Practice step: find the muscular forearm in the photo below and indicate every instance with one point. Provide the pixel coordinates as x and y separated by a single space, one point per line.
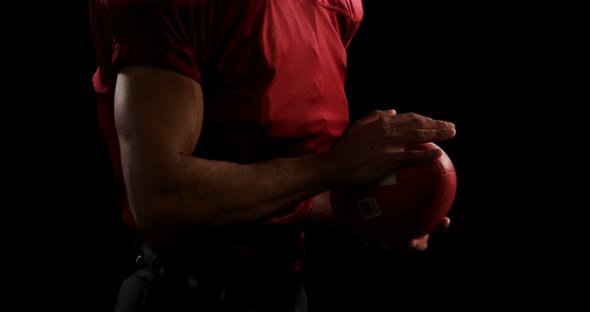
205 192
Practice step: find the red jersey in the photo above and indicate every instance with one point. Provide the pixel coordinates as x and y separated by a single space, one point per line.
273 75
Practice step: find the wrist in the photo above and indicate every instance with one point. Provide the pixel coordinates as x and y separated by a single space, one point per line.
330 168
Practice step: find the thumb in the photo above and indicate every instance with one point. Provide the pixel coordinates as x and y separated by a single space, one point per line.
443 225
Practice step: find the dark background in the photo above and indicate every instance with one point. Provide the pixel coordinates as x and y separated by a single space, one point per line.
512 76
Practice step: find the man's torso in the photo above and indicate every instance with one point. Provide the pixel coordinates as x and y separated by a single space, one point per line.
272 72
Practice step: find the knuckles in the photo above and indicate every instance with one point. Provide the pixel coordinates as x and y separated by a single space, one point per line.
396 125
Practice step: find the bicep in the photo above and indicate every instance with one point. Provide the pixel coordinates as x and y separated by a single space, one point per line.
158 116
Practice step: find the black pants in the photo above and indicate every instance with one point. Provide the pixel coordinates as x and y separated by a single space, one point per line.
157 288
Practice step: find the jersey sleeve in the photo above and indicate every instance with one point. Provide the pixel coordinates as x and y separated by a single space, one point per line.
160 33
355 15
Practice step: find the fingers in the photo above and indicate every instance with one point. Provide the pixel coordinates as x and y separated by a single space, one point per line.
417 244
420 244
422 136
416 121
378 114
443 225
410 129
388 113
414 157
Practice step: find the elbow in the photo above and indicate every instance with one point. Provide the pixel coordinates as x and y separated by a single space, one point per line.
155 212
153 199
153 209
147 217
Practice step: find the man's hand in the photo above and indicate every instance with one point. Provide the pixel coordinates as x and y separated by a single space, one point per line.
417 244
322 212
376 144
421 244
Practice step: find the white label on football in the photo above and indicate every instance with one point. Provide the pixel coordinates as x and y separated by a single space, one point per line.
368 208
390 179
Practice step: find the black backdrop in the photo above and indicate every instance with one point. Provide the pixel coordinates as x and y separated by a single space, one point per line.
513 77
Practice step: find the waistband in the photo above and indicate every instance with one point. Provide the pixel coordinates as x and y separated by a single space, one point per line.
178 268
